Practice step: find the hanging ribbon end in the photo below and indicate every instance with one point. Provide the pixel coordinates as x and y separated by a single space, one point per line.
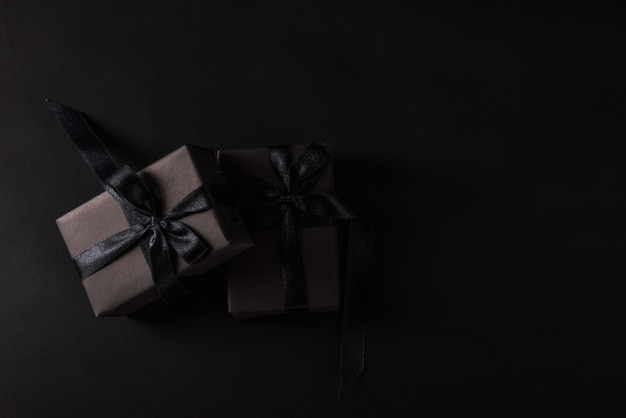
58 108
53 104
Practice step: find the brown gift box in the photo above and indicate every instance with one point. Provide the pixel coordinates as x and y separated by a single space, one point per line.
125 284
254 281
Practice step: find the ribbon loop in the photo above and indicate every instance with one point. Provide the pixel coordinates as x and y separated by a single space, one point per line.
184 241
200 200
280 159
308 167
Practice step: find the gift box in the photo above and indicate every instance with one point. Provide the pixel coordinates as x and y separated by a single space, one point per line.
285 194
257 278
129 280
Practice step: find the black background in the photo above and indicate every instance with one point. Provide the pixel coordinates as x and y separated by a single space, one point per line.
485 143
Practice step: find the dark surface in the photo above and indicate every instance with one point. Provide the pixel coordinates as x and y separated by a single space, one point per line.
486 144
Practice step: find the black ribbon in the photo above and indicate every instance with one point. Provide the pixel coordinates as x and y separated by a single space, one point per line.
266 204
155 233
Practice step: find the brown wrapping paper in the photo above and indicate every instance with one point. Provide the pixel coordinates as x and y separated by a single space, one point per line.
254 282
125 284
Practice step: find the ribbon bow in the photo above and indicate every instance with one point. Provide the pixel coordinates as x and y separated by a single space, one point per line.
292 201
155 233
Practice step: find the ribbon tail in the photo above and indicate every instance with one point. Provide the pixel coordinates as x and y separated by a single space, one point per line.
359 251
295 289
163 273
121 182
184 241
354 318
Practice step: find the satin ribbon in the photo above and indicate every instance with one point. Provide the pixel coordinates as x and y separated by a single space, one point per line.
155 233
266 204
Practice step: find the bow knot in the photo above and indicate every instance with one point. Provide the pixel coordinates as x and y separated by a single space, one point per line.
284 200
154 222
